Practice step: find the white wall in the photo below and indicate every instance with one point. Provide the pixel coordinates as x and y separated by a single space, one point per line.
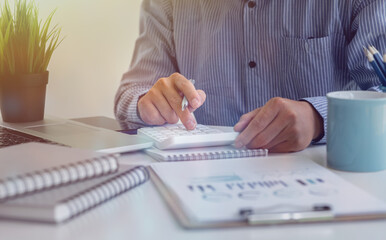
86 68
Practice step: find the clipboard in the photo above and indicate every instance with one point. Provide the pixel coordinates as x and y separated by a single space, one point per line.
323 196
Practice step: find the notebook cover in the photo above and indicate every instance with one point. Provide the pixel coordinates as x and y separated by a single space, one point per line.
53 205
35 166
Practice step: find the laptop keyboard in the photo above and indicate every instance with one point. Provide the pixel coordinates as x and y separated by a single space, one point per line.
9 137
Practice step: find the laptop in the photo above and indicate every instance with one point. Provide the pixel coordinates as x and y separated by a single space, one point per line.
71 133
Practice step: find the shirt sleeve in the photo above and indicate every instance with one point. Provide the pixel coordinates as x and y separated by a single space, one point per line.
153 58
368 27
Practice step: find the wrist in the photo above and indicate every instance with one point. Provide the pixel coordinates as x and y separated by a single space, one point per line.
318 126
316 121
138 112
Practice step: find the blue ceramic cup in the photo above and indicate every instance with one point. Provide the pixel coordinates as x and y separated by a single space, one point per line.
356 131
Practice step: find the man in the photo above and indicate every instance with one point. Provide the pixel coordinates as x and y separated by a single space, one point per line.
263 66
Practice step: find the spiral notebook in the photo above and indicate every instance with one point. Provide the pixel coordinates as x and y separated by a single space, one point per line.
30 167
65 202
207 153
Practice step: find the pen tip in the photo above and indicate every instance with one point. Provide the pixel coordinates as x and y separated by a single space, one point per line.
373 50
368 55
366 51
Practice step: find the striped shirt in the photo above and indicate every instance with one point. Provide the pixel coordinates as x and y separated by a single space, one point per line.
243 53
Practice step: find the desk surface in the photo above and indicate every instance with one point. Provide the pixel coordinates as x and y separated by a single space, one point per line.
142 214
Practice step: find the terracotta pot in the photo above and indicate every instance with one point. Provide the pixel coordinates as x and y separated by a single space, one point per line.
23 97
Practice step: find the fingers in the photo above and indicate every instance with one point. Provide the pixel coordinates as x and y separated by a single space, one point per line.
202 97
285 143
189 91
271 135
173 100
166 111
276 142
245 120
195 97
258 123
290 139
282 125
173 89
166 97
149 113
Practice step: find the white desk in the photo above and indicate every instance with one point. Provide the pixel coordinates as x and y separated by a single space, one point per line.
142 214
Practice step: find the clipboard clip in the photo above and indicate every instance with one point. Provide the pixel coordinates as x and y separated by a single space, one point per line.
318 212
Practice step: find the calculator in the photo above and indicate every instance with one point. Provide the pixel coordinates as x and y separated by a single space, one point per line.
174 136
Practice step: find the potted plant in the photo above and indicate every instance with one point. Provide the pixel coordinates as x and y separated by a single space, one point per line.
26 47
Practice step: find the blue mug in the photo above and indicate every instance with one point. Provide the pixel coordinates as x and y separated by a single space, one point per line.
356 131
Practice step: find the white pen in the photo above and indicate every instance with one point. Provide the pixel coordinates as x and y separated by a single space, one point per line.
185 103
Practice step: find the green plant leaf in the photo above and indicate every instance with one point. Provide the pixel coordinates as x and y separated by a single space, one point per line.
26 43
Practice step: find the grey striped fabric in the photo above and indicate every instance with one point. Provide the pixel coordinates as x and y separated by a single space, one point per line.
243 53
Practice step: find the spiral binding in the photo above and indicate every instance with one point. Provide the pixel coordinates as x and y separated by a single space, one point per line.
105 191
48 178
238 153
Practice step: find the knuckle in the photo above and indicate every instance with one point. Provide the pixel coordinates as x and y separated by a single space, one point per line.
291 116
175 75
183 84
177 78
162 82
151 93
256 123
278 102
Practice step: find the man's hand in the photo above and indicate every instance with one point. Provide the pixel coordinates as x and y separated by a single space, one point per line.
281 125
162 104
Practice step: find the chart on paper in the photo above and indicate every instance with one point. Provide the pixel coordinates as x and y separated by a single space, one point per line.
217 190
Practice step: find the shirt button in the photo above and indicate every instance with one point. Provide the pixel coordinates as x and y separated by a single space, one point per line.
251 4
252 64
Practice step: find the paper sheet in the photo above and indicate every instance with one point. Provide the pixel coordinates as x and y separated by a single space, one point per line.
216 191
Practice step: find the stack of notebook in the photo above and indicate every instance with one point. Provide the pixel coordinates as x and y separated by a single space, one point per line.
50 183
